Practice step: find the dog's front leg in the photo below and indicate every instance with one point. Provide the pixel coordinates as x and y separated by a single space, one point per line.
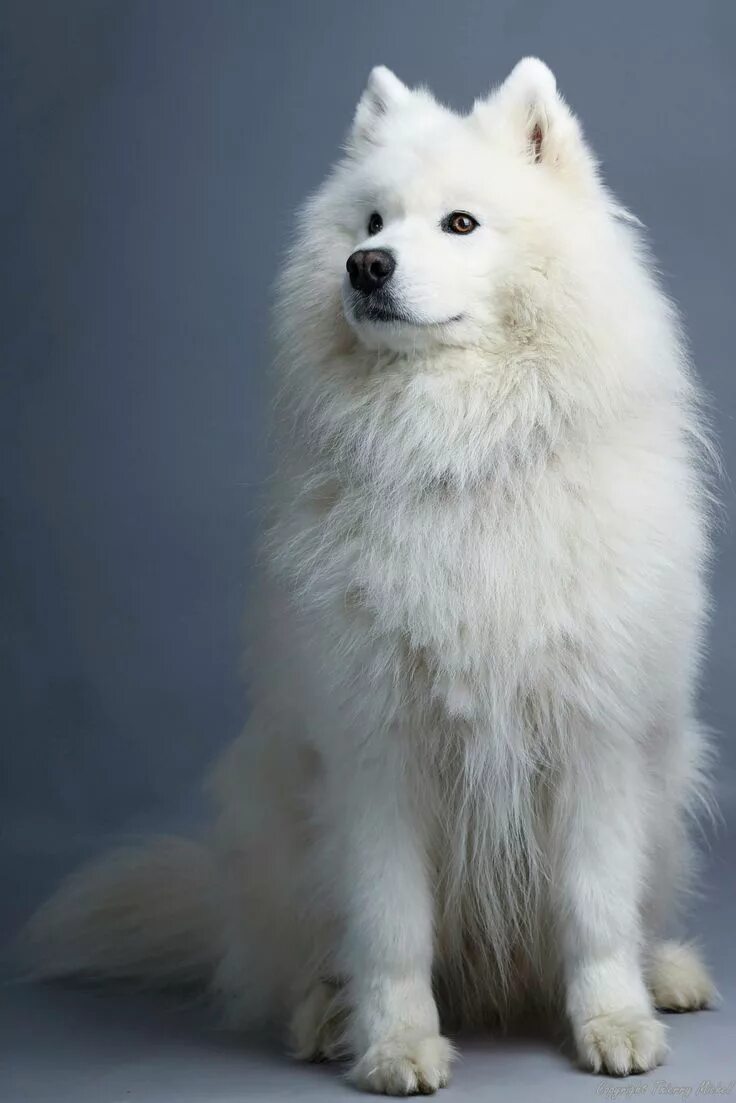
386 904
599 863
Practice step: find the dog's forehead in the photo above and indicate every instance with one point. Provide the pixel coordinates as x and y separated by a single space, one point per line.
447 157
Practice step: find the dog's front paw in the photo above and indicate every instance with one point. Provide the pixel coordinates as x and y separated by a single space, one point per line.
622 1042
406 1064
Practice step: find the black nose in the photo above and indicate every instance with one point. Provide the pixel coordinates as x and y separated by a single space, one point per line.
369 269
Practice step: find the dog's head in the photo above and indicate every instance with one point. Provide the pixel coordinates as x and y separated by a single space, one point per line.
432 217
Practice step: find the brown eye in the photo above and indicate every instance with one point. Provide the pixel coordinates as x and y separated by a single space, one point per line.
375 224
459 223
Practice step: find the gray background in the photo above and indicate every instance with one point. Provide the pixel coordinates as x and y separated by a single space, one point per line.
152 154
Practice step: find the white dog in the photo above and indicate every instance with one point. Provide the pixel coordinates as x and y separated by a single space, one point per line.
472 755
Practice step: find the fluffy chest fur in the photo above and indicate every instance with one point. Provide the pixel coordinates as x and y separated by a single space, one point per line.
518 586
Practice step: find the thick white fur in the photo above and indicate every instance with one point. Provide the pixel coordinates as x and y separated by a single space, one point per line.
473 748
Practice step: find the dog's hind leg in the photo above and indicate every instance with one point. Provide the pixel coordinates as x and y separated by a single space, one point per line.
678 978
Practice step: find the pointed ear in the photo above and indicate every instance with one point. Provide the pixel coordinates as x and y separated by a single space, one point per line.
537 119
383 92
529 96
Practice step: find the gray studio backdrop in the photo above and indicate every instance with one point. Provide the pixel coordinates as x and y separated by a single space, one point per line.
152 154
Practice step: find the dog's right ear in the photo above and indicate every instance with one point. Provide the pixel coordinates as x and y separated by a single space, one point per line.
383 92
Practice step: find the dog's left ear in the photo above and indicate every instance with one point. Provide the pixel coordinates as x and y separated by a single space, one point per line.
538 122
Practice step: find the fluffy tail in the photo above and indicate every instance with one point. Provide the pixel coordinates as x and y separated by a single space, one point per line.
145 914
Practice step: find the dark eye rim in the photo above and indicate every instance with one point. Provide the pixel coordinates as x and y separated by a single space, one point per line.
447 223
371 230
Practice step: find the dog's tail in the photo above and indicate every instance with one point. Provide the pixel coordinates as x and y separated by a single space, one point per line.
145 914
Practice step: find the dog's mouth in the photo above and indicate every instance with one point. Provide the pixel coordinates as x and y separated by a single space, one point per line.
382 314
385 313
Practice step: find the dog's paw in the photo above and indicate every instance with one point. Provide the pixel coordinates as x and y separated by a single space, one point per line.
406 1064
678 979
622 1042
318 1024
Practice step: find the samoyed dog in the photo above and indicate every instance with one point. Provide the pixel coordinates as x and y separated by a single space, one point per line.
465 787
